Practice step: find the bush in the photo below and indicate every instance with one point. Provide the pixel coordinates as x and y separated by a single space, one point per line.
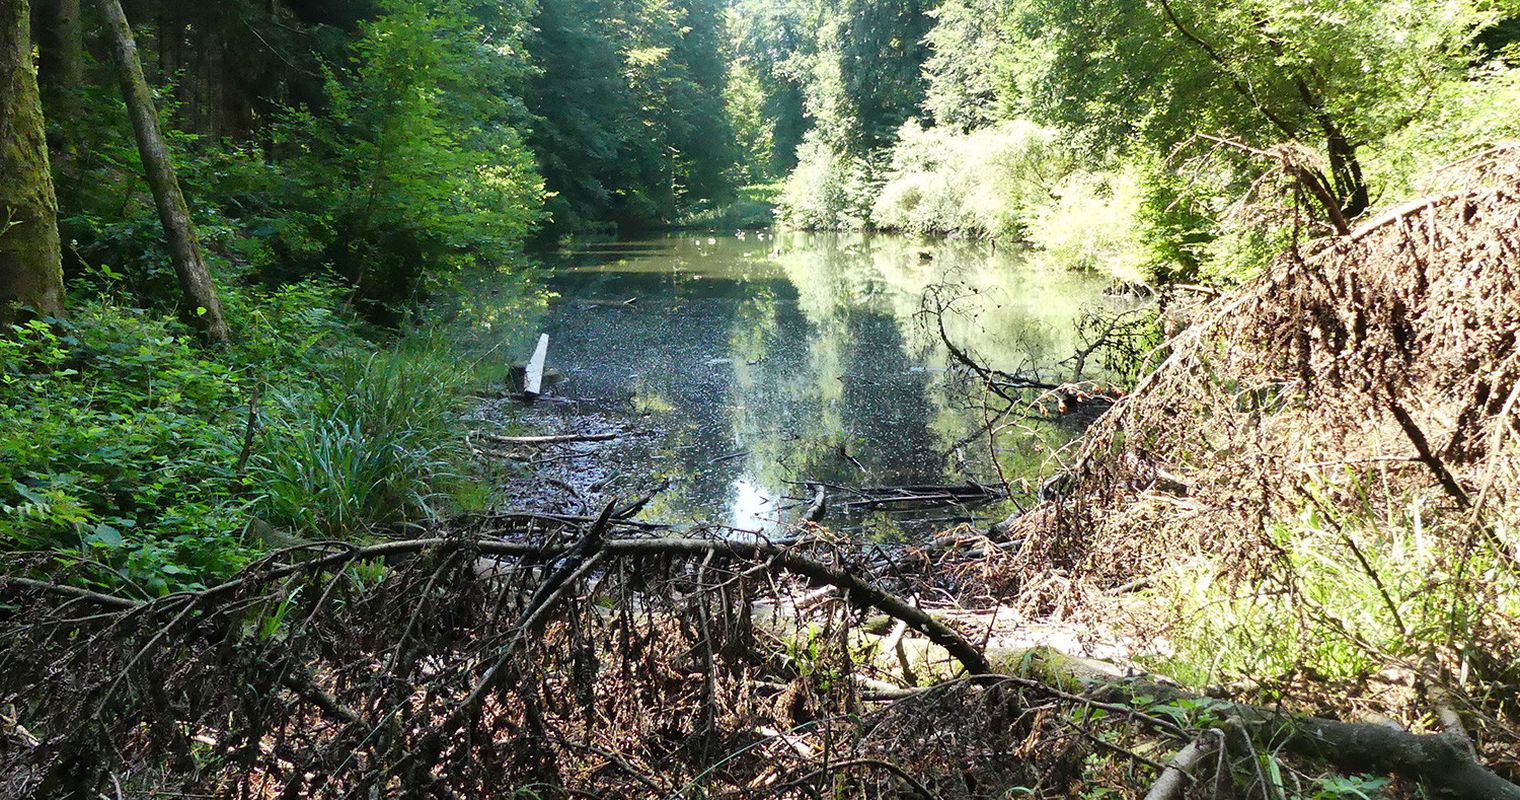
1468 116
754 206
988 183
828 190
412 172
118 448
122 442
1092 224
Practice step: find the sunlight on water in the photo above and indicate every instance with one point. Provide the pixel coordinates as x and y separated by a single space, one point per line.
772 360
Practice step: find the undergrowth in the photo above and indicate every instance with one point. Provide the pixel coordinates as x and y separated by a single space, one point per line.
1352 593
140 459
752 207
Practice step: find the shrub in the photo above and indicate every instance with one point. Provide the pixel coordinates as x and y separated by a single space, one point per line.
1091 224
1467 117
828 190
122 443
411 172
988 183
118 448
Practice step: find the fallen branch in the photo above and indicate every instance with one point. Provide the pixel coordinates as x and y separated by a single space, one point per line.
1178 775
1441 762
568 438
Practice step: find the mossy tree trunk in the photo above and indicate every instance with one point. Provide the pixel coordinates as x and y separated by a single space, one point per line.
31 262
184 244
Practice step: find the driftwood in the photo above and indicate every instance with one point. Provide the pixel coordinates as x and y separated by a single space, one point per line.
1178 775
567 438
533 375
1442 762
922 495
631 302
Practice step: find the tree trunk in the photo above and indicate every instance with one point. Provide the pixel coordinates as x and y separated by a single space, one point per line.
60 47
1346 170
31 261
184 245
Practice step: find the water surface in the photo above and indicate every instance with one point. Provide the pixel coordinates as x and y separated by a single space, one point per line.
768 360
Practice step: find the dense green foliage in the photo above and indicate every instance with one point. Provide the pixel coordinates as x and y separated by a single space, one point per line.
124 442
415 161
629 110
1367 95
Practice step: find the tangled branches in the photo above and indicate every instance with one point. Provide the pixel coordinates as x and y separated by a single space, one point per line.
1344 427
633 667
470 666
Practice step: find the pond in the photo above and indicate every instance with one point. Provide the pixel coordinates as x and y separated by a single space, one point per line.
764 361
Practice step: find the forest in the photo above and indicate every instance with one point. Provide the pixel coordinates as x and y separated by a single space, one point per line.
937 399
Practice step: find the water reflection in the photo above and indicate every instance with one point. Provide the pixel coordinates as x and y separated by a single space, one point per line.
777 359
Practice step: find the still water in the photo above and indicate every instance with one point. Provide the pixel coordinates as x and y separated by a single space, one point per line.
770 359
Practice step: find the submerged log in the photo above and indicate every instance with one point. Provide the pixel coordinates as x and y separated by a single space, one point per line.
567 438
816 509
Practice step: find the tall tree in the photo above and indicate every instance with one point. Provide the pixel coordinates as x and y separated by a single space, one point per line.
1335 73
60 46
630 125
31 264
881 53
184 244
968 45
776 42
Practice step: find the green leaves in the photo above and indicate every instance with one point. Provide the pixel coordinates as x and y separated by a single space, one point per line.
416 168
115 448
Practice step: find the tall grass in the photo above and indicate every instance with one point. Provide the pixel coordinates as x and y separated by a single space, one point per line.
371 451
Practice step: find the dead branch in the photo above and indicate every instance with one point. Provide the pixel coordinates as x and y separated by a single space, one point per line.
538 441
1178 775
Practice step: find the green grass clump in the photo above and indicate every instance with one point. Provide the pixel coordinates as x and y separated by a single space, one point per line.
369 451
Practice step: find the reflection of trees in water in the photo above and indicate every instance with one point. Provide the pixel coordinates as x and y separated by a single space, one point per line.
818 342
786 400
1007 312
1010 311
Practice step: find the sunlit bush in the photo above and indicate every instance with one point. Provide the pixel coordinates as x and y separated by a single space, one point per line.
828 190
1466 117
988 183
1091 224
